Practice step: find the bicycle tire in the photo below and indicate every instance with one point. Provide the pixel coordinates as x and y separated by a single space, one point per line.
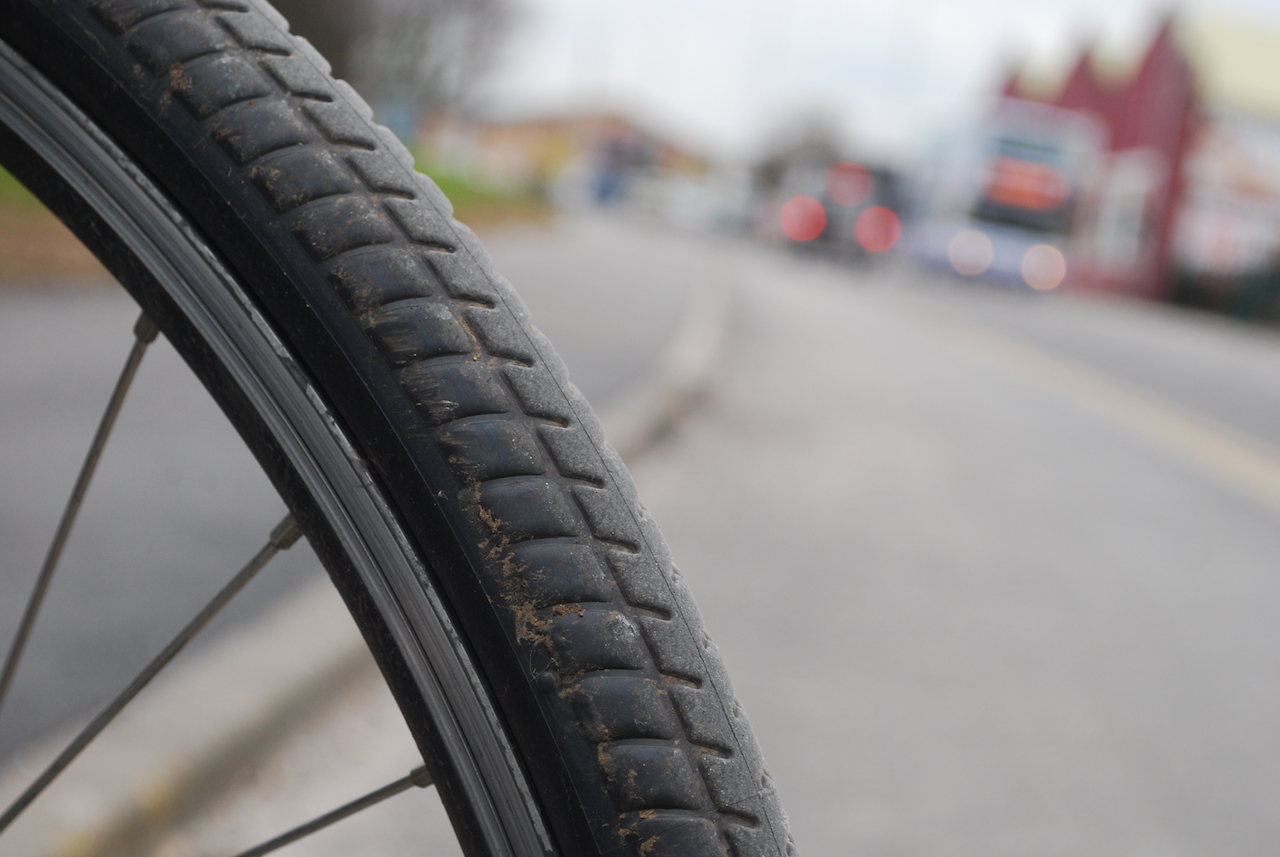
524 610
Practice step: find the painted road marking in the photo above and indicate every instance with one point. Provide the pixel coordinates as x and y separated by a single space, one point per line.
1234 458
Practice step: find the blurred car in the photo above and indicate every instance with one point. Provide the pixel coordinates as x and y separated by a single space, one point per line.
842 208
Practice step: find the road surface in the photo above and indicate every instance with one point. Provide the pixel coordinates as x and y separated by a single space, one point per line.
978 597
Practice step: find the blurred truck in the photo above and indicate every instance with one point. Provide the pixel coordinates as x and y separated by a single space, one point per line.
1004 200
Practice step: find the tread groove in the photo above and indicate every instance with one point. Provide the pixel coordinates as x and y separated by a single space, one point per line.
683 680
740 818
98 12
712 750
619 546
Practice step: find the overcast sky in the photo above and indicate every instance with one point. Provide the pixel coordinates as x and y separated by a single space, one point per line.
723 74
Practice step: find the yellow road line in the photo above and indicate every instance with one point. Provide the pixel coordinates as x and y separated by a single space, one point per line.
1236 459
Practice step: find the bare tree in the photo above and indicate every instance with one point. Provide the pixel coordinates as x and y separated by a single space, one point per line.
810 138
430 53
427 54
330 25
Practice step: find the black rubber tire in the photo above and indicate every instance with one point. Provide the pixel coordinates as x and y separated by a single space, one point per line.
523 519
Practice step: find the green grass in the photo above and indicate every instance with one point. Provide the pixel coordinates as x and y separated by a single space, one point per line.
476 202
14 195
471 200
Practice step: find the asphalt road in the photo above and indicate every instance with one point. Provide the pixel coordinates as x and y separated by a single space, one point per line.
982 571
995 574
1214 365
178 504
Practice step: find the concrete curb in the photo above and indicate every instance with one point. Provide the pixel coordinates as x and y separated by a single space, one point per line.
194 734
684 376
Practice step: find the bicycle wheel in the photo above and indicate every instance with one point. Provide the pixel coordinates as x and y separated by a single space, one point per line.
520 604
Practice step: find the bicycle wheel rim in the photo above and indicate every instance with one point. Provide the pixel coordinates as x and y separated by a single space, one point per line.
177 277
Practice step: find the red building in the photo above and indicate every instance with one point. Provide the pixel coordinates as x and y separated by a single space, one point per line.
1122 240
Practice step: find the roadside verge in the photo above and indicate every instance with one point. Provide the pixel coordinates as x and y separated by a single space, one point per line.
196 733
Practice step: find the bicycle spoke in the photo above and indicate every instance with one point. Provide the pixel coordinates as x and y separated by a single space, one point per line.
419 777
144 333
282 537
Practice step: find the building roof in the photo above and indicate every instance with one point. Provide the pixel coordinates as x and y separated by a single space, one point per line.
1235 62
1149 107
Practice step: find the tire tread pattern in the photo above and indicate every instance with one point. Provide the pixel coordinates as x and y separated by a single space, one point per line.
600 613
